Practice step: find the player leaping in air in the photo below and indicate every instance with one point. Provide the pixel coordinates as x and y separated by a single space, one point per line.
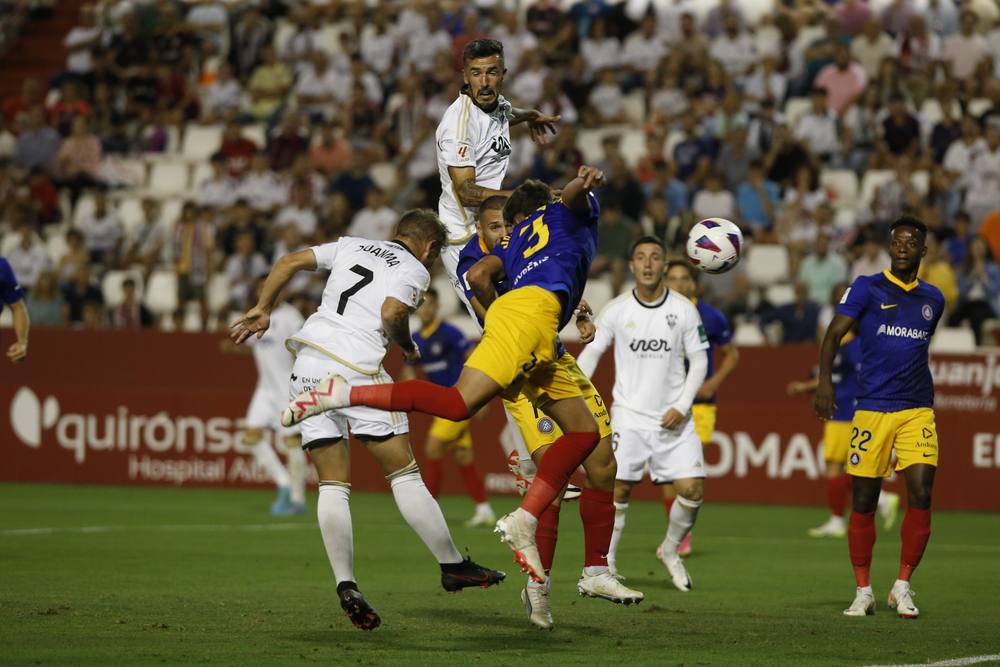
546 258
373 288
896 315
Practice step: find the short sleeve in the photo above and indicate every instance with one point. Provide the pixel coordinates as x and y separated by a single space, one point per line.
455 146
855 299
719 332
325 255
10 290
409 285
695 338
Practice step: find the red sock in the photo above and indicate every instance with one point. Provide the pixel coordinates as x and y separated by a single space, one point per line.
413 395
597 509
916 530
861 541
837 490
474 482
546 534
562 458
431 473
668 503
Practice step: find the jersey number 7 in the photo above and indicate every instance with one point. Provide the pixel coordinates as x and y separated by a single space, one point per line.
366 277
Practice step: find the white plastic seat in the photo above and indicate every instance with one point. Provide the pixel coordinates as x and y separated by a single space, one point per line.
384 175
635 106
130 213
844 182
111 286
201 141
217 293
921 181
748 334
633 146
161 292
84 208
169 178
979 106
674 138
871 182
589 143
953 340
598 293
780 294
767 264
202 172
56 247
256 134
795 108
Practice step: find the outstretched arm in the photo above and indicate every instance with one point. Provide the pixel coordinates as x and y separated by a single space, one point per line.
730 359
258 318
824 401
481 277
538 123
18 351
574 195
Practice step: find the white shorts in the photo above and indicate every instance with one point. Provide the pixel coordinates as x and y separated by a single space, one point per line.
671 455
265 411
311 367
449 258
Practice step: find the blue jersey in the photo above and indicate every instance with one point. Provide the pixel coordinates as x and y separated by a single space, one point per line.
845 369
897 321
10 290
442 352
552 248
718 333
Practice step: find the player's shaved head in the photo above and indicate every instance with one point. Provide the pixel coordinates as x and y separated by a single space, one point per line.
423 225
525 200
494 203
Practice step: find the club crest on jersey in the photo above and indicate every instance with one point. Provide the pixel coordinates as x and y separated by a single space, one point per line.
672 320
927 312
545 425
855 459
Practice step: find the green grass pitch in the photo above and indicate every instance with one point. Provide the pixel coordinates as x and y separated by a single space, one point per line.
115 575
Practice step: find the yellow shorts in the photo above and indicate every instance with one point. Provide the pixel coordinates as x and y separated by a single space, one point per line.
518 349
539 430
704 421
454 434
836 441
912 433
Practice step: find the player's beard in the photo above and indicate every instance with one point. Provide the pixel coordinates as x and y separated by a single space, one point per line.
488 108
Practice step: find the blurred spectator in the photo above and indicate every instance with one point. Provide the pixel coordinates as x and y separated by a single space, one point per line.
262 187
130 46
320 89
786 157
872 259
657 221
251 36
585 14
45 303
28 258
15 109
560 163
797 225
757 199
766 82
614 240
717 17
375 221
734 159
331 153
130 313
798 319
853 15
668 101
80 292
983 193
936 270
69 107
209 22
729 117
957 160
300 213
900 129
38 144
144 245
606 104
288 242
288 140
194 246
356 181
624 187
243 268
955 246
918 49
966 51
946 131
554 102
76 255
434 39
78 160
861 131
734 49
690 45
666 184
378 43
577 82
762 129
713 201
81 40
304 41
642 52
817 128
103 232
527 86
237 149
820 51
941 17
108 121
223 97
979 288
218 191
544 17
898 196
822 270
842 79
896 16
693 154
268 85
989 229
43 198
171 37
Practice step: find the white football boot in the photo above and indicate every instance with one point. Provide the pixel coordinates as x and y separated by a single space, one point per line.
325 396
608 586
834 527
515 531
538 606
901 599
678 573
863 605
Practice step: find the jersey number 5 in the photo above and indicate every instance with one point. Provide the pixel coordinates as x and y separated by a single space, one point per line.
366 277
540 231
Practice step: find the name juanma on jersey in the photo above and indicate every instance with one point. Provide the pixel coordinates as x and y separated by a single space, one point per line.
382 253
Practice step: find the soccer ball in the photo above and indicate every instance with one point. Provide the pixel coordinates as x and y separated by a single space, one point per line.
715 245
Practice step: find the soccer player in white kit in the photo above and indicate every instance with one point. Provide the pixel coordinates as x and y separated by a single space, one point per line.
373 288
473 147
653 329
274 366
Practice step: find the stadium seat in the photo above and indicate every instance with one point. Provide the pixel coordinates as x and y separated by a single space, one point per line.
161 293
795 108
6 319
930 111
921 181
201 141
845 218
780 294
673 139
953 340
56 247
256 134
218 292
633 146
767 264
844 183
202 172
329 38
283 31
598 292
384 175
979 106
170 212
589 143
111 286
130 212
871 181
748 334
635 106
84 208
169 178
448 302
9 242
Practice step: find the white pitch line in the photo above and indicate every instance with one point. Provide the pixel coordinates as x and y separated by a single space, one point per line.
812 541
957 662
178 528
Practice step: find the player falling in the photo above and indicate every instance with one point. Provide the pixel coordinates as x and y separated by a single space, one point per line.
546 258
443 349
373 288
497 220
274 365
682 277
654 329
896 314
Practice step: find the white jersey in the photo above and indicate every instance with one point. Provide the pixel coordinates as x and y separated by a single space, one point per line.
363 274
274 363
469 137
651 341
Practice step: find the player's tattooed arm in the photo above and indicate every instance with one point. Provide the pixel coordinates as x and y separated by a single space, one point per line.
824 400
396 324
468 192
481 277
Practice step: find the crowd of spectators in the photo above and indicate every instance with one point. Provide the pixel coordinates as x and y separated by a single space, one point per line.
742 116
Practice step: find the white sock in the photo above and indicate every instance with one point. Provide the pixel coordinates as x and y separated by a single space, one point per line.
594 570
866 589
297 473
265 455
682 517
535 584
528 516
334 514
423 514
345 395
901 584
616 536
484 508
